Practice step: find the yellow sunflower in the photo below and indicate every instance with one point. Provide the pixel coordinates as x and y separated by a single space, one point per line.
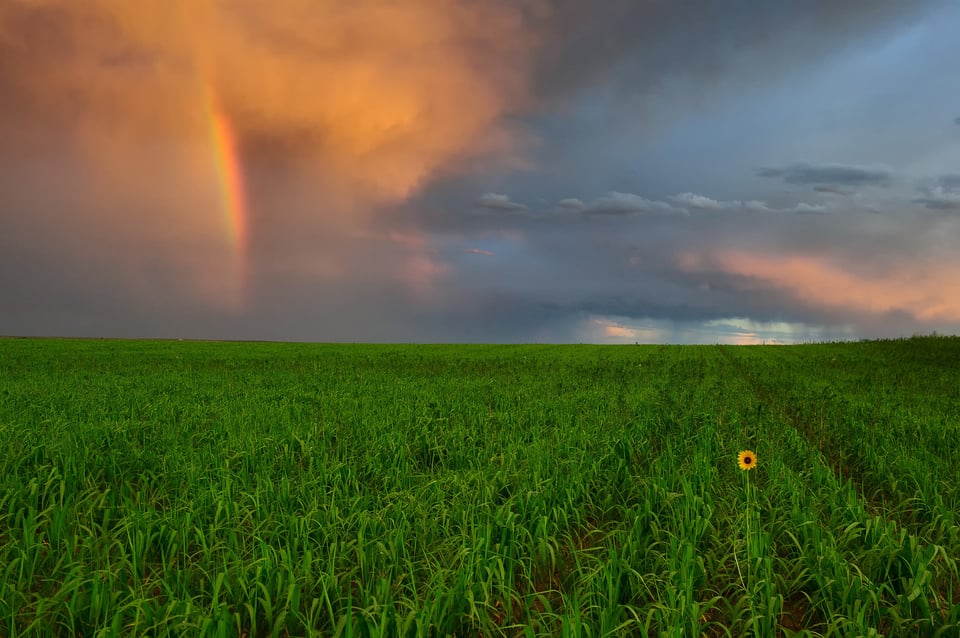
747 460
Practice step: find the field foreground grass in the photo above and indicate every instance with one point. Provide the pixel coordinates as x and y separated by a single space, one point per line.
242 489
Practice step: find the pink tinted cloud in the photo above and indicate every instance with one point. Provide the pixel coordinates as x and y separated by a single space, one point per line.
926 292
613 329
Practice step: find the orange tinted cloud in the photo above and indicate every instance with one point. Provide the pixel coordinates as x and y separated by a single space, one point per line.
381 93
616 330
357 103
611 329
926 293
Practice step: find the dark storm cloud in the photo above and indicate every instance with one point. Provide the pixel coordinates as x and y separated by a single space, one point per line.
830 174
947 202
943 193
708 266
950 181
832 190
639 43
347 113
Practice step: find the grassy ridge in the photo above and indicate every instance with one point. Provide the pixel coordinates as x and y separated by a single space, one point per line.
279 489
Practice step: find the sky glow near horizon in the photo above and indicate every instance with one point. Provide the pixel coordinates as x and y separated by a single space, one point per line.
507 171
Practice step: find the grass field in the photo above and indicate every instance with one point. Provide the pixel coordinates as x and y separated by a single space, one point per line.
245 489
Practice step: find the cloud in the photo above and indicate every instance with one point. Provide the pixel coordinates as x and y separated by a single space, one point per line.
572 204
612 328
358 104
941 194
804 208
495 201
830 174
337 112
745 332
625 41
552 274
956 121
701 202
912 289
612 205
343 116
950 181
940 201
732 330
616 203
692 200
831 190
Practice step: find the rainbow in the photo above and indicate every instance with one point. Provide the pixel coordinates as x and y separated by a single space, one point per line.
230 181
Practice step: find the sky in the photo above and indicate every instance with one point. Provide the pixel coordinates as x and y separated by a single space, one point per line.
522 171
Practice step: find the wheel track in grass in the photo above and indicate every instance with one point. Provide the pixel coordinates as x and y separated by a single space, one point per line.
720 620
880 497
694 374
816 439
674 409
673 413
880 487
876 506
545 589
796 608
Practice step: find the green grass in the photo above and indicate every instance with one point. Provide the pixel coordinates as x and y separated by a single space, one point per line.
245 489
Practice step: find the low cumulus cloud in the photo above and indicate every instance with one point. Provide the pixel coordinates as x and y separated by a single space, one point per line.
499 202
692 201
572 203
616 203
830 174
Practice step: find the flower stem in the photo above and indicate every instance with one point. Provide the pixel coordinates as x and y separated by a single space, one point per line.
748 587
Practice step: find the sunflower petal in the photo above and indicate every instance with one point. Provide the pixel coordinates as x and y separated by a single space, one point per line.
746 460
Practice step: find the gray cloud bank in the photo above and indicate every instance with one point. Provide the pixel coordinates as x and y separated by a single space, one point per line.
357 246
830 174
635 43
942 193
